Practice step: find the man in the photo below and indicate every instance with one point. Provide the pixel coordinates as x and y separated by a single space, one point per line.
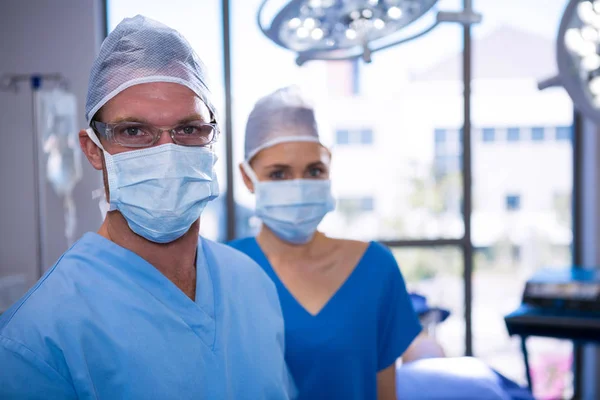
146 309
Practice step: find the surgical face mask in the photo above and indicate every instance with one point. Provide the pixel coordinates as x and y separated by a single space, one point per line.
292 209
161 191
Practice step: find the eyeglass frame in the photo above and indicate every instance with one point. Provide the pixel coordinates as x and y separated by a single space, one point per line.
106 130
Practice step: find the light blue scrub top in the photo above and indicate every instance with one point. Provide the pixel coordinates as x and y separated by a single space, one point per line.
105 324
367 324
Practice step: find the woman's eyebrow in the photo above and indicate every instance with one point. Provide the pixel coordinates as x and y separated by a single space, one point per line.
278 166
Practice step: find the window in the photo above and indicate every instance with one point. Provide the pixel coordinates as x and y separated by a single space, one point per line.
512 134
436 273
488 134
513 202
366 136
355 206
563 132
354 136
518 179
440 135
355 77
516 253
342 136
537 134
367 204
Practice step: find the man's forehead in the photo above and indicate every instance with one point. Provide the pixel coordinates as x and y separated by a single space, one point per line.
155 101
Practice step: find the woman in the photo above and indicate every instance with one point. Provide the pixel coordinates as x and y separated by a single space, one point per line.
347 314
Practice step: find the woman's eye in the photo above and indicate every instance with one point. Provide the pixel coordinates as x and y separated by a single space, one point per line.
277 175
316 172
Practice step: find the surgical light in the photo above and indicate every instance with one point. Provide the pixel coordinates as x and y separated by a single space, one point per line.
345 29
317 34
578 56
394 13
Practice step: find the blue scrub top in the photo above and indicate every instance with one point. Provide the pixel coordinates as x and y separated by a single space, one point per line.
105 324
363 329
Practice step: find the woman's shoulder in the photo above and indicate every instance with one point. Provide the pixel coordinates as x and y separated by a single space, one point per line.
372 252
374 248
243 244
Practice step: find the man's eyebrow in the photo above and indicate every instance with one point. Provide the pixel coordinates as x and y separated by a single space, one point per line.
189 118
193 117
128 119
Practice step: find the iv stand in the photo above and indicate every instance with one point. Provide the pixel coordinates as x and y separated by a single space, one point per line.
10 82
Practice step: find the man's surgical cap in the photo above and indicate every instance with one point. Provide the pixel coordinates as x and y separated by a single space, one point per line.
141 50
282 116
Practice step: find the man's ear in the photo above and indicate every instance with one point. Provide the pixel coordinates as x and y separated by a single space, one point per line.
247 180
91 151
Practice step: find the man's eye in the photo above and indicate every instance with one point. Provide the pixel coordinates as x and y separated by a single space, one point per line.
132 131
189 130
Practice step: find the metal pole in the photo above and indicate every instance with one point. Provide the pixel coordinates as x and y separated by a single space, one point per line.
577 227
229 199
36 82
467 185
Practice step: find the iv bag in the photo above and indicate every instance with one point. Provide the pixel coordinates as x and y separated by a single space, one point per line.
57 131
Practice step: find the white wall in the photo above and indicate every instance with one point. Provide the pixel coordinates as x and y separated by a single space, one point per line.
40 36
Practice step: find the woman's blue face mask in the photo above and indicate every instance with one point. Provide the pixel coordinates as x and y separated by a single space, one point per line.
292 209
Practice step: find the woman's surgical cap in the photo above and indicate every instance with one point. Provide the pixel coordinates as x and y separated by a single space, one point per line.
282 116
141 50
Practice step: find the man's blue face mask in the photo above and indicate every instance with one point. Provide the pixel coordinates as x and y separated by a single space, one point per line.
292 209
161 191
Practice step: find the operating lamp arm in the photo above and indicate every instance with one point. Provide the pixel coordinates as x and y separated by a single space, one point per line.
258 15
555 81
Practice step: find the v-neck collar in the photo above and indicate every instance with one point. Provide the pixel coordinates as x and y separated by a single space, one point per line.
199 315
283 289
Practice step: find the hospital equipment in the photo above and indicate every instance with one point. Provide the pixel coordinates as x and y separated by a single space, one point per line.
329 30
444 378
558 303
54 128
578 56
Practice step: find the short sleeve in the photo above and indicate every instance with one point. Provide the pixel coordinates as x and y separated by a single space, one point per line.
398 323
25 376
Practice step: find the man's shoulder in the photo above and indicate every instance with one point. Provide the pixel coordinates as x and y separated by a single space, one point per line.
235 266
55 296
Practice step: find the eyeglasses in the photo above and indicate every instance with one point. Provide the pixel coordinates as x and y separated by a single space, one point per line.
137 134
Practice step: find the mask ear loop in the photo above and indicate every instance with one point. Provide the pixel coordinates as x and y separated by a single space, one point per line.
250 172
99 193
92 135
